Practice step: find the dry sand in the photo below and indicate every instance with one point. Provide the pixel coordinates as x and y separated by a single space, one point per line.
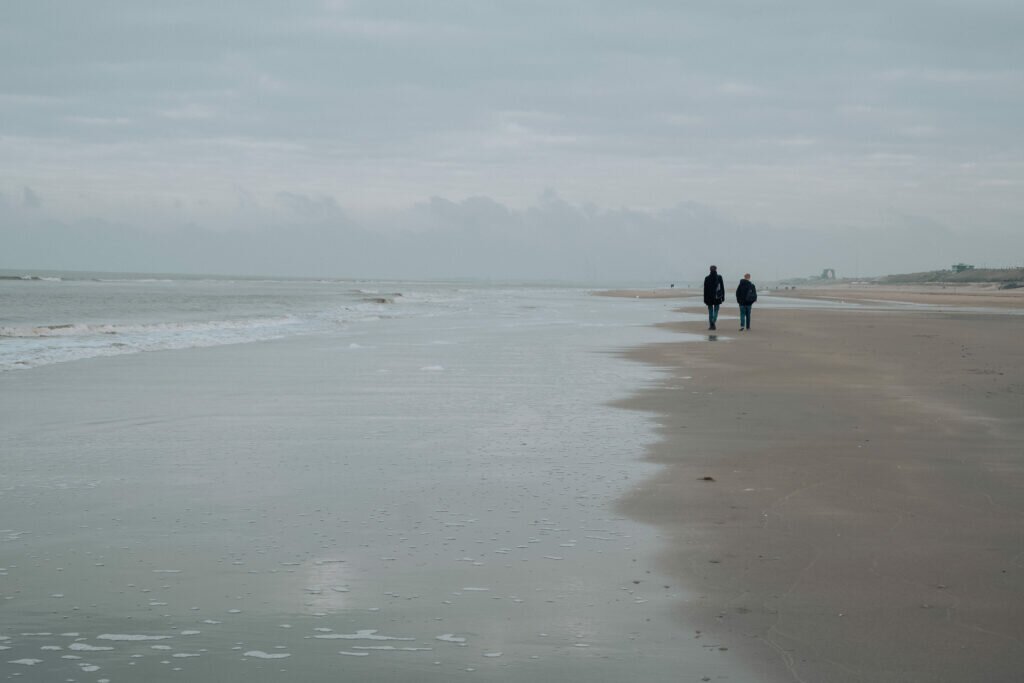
864 518
974 295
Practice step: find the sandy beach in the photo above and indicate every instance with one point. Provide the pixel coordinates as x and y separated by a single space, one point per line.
943 294
841 489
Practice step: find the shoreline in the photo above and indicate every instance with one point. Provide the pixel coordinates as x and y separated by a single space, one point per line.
863 517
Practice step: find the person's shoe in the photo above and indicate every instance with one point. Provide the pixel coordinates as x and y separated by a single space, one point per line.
712 327
741 329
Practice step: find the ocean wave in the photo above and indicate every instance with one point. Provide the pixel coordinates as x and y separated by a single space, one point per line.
31 278
29 347
88 329
380 299
191 317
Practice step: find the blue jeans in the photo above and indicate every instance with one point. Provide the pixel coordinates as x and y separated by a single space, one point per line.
745 315
712 314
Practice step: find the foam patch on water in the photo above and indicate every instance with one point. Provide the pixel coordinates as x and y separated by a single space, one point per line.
260 654
130 637
85 647
365 634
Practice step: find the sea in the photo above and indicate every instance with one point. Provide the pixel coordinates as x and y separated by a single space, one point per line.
254 479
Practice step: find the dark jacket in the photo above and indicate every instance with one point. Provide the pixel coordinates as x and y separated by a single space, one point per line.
714 289
746 293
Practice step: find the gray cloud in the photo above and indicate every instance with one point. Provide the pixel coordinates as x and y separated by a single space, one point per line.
30 199
799 117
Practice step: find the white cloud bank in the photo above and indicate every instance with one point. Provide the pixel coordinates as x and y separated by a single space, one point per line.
552 239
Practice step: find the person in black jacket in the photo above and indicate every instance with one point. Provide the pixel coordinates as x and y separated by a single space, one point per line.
746 295
714 295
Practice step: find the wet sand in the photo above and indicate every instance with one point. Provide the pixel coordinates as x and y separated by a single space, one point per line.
841 489
430 504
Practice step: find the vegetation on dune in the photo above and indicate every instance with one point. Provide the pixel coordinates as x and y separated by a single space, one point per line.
960 273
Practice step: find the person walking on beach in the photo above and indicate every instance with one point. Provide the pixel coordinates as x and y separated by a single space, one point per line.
746 295
714 295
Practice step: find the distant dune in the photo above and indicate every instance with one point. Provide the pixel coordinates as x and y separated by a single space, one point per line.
1008 277
1004 278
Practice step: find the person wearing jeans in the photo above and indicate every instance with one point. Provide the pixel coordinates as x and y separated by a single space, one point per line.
714 295
746 295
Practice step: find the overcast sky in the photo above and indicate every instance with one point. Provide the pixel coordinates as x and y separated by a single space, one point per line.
557 139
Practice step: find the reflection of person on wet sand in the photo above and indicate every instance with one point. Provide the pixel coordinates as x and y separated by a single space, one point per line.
714 295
